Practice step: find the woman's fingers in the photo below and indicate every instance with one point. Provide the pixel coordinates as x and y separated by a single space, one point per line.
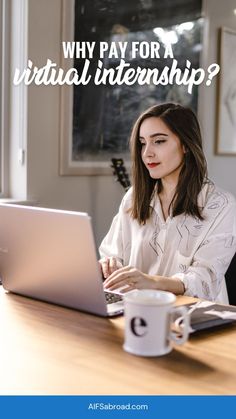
120 278
104 266
129 278
109 265
112 265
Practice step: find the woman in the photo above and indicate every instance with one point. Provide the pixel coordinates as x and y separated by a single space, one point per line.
175 230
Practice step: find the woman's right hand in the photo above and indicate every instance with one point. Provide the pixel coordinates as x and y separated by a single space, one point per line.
109 265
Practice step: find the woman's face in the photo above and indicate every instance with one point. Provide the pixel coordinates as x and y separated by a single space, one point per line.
162 152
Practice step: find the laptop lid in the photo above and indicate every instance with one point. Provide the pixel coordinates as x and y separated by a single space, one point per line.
50 255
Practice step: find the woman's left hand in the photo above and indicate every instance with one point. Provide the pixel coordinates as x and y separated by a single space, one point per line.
130 278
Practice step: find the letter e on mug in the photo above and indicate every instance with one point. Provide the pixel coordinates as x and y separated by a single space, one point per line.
138 326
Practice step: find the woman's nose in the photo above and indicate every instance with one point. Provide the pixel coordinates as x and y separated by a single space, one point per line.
149 150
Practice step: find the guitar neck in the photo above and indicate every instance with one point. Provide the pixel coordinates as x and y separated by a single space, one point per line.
120 173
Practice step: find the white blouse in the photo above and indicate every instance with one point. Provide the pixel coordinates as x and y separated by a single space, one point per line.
197 252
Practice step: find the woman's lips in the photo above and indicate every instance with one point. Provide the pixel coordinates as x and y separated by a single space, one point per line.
151 165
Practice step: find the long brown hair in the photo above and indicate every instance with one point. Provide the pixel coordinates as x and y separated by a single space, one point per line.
183 122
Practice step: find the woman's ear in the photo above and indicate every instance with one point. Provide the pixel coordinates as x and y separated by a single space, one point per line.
185 150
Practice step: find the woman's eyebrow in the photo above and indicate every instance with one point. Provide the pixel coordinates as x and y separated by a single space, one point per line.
154 135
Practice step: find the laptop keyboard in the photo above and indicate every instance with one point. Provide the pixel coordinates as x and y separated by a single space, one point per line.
112 298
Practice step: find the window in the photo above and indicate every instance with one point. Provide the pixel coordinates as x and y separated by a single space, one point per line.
103 114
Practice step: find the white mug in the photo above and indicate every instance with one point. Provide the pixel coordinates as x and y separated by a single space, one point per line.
148 317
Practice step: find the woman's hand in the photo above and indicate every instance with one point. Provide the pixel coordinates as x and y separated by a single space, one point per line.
129 278
109 265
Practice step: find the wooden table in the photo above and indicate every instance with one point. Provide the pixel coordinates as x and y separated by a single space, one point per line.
47 349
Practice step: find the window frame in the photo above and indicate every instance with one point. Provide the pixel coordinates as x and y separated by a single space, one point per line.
5 29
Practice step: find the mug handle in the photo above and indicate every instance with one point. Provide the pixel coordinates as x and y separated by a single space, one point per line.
184 328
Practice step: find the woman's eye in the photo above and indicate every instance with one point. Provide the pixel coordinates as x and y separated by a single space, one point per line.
160 141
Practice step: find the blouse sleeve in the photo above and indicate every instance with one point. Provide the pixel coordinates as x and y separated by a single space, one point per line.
203 278
112 244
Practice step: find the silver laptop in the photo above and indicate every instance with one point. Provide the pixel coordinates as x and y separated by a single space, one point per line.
50 255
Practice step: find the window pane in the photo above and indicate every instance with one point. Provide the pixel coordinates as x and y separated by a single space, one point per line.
103 115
